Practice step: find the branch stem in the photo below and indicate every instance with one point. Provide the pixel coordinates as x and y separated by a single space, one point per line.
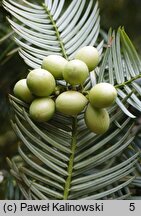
57 32
128 81
71 161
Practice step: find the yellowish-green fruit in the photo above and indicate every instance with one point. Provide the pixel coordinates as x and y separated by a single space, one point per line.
102 95
97 120
71 102
41 82
42 109
55 65
22 91
75 72
89 55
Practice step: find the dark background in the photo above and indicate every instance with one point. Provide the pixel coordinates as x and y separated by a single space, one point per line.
114 13
127 13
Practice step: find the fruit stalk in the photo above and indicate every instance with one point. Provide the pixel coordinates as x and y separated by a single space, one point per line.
71 160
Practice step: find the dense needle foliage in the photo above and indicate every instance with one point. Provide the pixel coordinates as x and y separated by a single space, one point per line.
62 159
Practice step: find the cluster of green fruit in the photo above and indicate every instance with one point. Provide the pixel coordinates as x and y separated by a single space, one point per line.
43 92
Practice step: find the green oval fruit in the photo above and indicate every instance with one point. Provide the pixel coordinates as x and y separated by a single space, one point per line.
55 65
102 95
89 55
42 109
41 82
75 72
97 120
22 91
71 102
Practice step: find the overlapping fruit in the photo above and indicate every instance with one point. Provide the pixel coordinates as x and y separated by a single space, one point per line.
45 95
